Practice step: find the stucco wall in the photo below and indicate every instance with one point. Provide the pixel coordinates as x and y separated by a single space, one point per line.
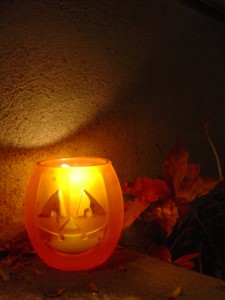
118 79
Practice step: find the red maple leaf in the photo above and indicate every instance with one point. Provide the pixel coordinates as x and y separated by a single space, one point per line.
150 189
160 252
185 261
165 213
145 191
175 166
181 184
133 209
184 179
189 190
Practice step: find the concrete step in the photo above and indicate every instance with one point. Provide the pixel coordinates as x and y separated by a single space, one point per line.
126 275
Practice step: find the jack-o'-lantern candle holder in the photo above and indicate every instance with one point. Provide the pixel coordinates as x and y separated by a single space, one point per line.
74 211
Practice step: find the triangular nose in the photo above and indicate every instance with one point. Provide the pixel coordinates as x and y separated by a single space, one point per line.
70 225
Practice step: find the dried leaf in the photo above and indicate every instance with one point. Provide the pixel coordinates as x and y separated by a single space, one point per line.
160 252
185 261
183 210
120 247
93 287
8 246
145 191
192 172
175 293
175 167
11 259
4 274
55 293
132 210
40 273
150 189
190 190
18 266
165 213
121 267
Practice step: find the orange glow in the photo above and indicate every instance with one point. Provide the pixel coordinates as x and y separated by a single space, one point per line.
74 211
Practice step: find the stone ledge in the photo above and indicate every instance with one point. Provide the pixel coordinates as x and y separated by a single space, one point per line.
127 275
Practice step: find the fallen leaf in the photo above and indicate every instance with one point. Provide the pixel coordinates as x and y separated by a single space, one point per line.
185 261
132 210
4 274
190 190
175 293
192 172
18 266
8 246
145 191
150 189
160 252
121 267
11 259
40 273
93 287
165 213
55 293
183 210
175 167
120 247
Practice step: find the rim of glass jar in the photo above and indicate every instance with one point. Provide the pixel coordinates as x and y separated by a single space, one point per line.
74 162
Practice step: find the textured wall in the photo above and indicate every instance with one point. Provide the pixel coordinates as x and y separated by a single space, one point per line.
106 78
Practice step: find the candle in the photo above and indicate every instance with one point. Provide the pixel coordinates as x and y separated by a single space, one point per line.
74 211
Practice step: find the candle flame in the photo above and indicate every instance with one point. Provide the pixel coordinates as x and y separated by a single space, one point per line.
65 166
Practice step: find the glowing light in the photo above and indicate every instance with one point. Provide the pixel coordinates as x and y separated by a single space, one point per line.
65 166
74 212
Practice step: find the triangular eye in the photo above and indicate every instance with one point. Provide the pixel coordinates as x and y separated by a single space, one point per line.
52 205
96 208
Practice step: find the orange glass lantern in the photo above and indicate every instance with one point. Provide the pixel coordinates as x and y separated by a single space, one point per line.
74 211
